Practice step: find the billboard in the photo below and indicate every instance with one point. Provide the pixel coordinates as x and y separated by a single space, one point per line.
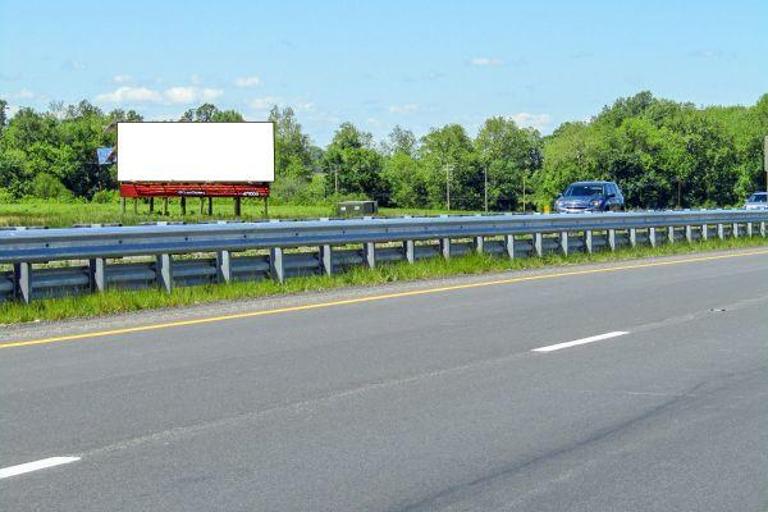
224 153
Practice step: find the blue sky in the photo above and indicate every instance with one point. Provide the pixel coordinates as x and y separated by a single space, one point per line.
378 64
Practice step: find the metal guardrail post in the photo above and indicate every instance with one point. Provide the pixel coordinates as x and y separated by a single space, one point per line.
750 231
23 276
538 244
276 267
223 262
445 247
509 244
588 241
689 233
671 234
633 237
369 248
164 271
612 239
735 232
326 255
564 242
224 266
721 231
762 229
652 237
97 268
326 259
479 244
445 243
704 232
409 248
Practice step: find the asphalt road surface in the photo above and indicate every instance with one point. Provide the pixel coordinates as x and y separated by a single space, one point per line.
634 386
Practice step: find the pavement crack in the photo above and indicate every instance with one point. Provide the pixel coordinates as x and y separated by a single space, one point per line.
459 491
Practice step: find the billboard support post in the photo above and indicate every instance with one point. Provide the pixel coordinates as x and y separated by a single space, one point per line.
165 206
266 207
183 204
210 206
237 207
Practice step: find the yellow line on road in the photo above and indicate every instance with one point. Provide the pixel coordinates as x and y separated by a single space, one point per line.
372 298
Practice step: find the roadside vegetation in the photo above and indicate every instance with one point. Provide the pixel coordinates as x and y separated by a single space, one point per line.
663 153
40 212
122 301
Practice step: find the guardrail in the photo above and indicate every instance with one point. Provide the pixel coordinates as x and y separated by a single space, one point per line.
54 262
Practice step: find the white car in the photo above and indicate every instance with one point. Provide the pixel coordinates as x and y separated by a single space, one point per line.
757 201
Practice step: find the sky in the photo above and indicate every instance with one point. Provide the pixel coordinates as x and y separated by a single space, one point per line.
378 64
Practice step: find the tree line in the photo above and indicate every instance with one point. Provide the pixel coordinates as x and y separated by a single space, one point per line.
662 153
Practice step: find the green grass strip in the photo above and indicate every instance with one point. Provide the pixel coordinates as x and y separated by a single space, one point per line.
122 301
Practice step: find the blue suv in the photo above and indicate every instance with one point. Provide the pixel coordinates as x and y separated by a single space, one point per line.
590 196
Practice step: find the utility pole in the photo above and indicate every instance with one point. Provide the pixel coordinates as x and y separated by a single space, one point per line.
336 178
485 190
448 169
523 205
765 161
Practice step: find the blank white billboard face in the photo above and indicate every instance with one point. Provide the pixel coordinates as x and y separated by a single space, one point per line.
196 152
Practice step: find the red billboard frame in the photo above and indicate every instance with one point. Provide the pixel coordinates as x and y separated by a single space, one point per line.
167 189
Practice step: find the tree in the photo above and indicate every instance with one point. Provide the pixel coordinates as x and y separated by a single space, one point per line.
294 153
353 165
209 113
3 118
405 180
509 155
451 167
401 140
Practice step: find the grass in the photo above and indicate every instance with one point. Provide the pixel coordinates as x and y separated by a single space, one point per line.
38 212
121 301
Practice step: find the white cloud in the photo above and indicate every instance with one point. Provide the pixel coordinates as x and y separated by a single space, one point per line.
25 94
127 94
248 81
191 94
264 103
173 95
122 79
304 106
486 61
537 121
11 110
404 109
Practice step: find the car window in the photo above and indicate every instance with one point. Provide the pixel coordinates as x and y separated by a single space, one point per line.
758 198
583 190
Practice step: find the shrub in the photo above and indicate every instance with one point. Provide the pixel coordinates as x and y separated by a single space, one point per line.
105 196
45 186
6 196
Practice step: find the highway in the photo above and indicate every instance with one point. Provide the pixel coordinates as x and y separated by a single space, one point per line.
626 386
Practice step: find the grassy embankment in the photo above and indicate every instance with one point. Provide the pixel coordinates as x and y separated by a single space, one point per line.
120 301
38 212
